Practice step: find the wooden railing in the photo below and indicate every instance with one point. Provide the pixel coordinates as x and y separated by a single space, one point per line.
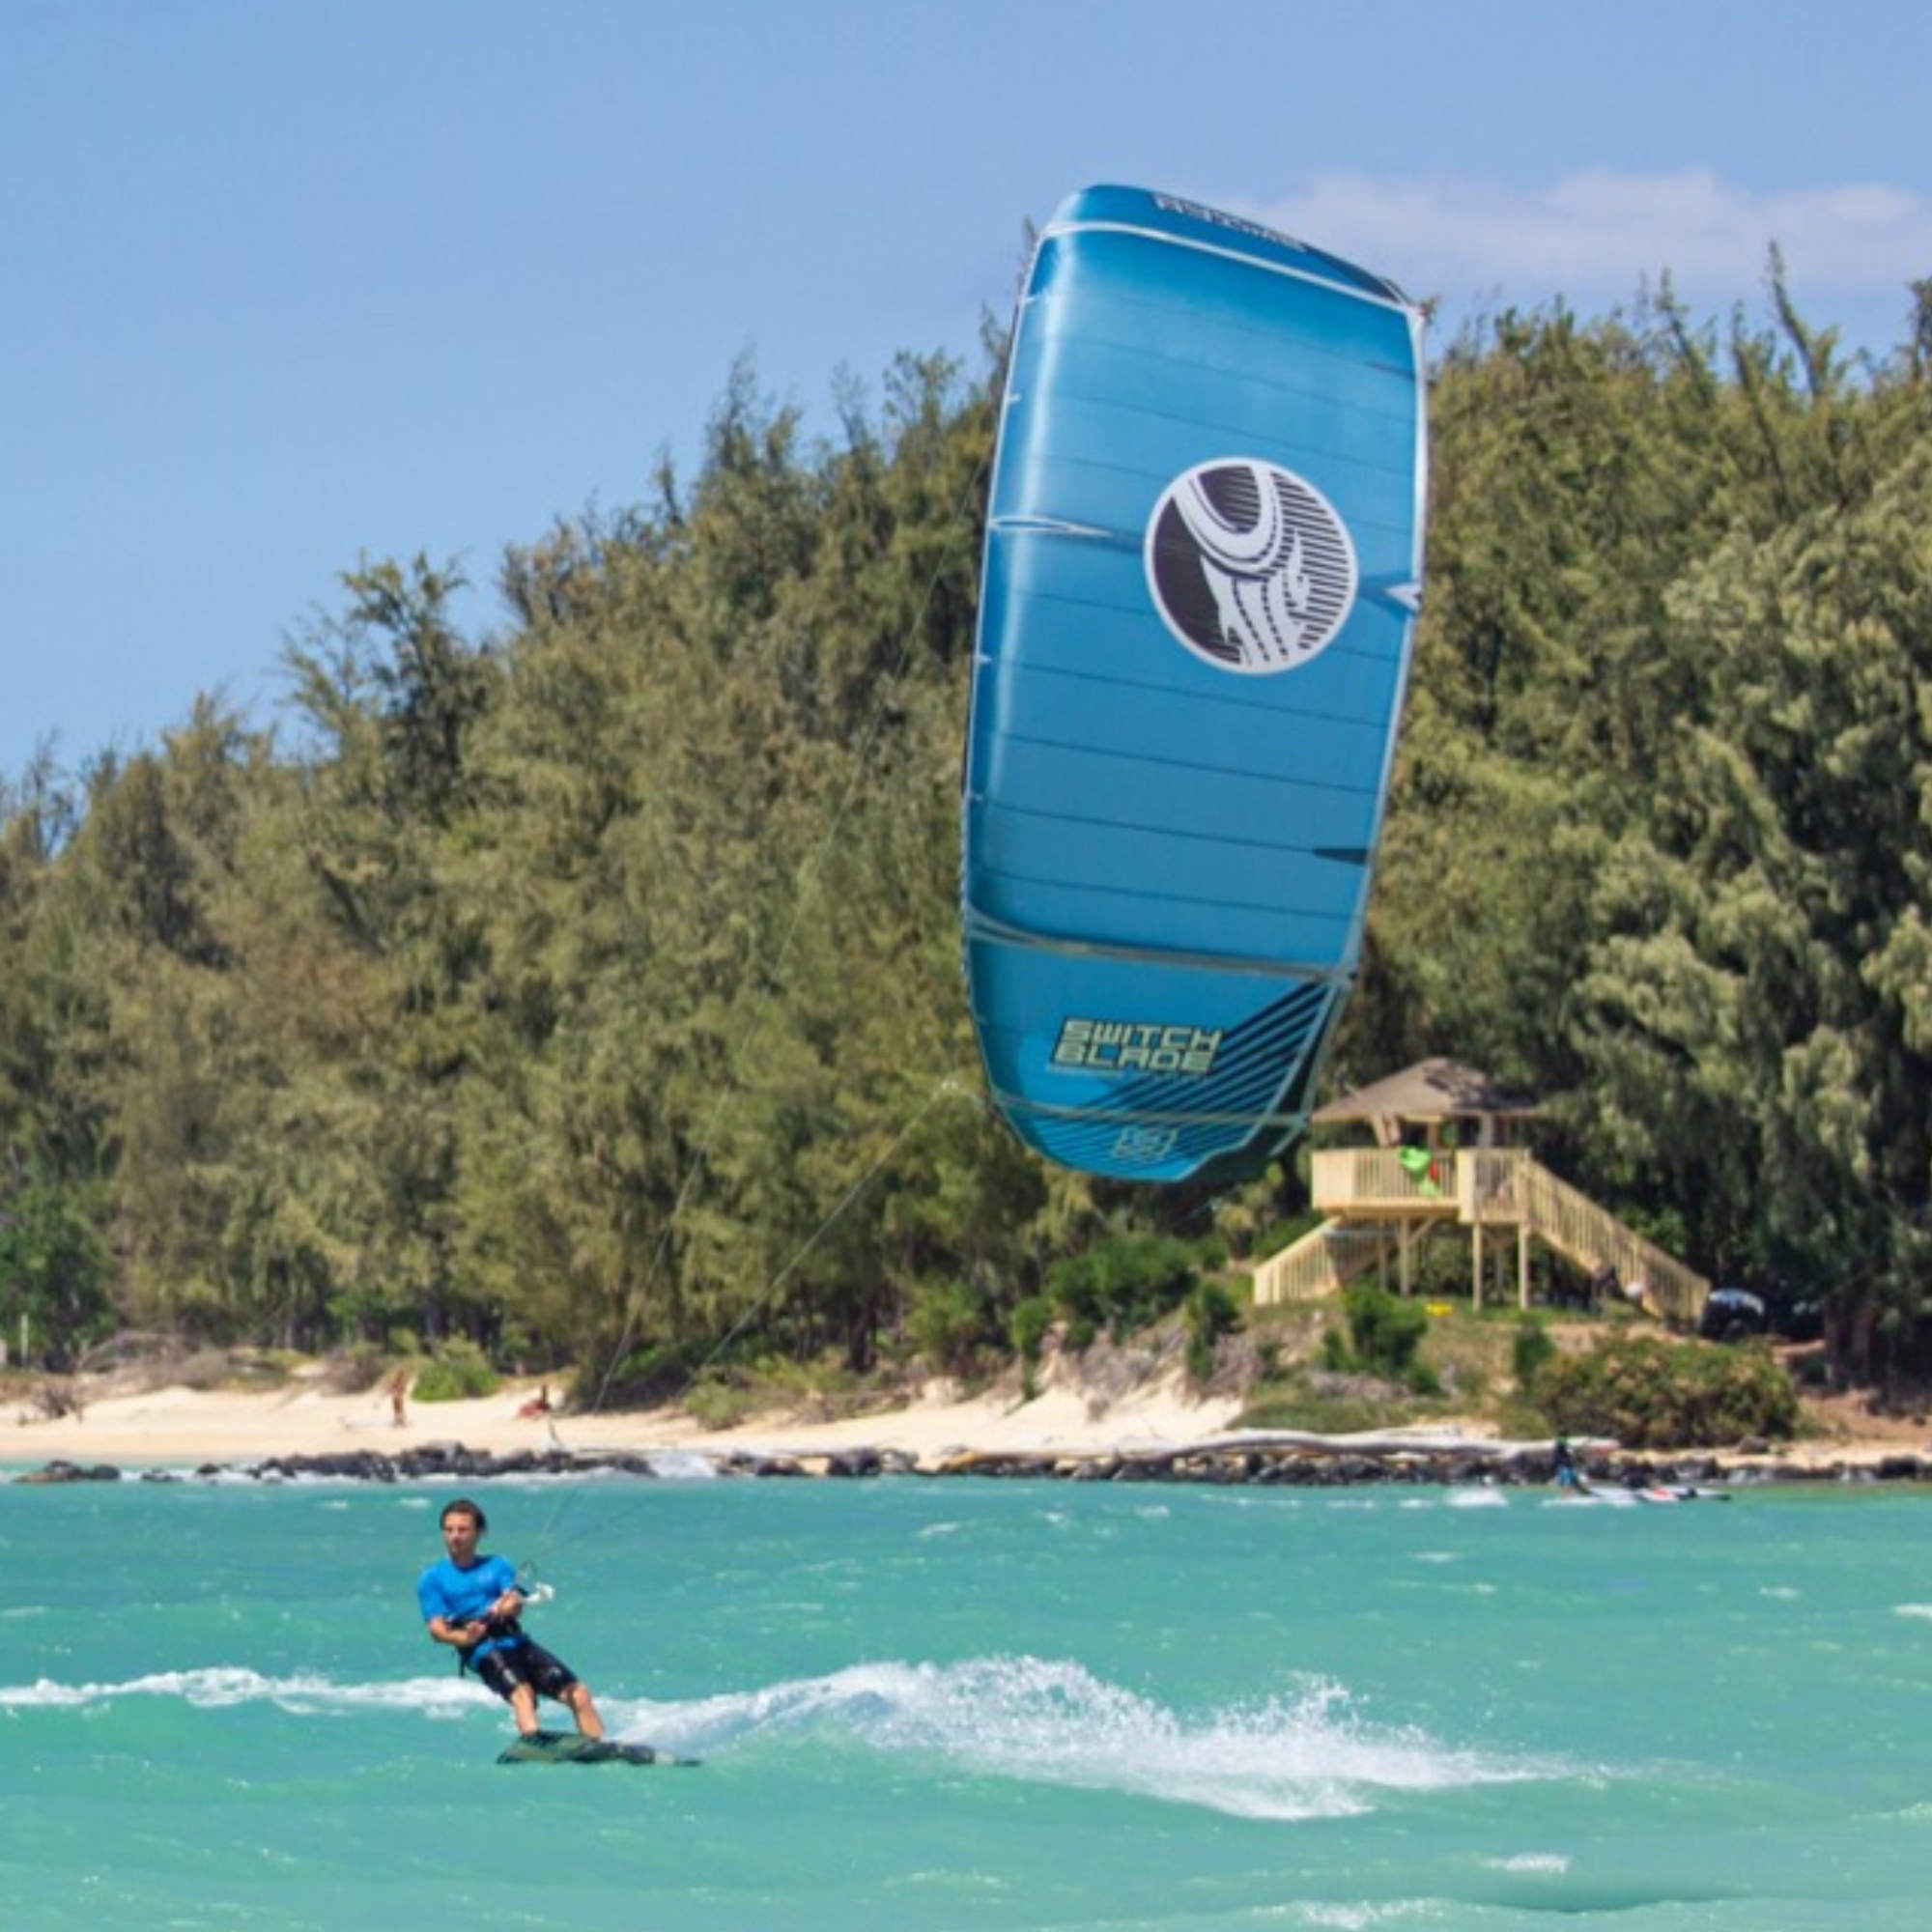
1580 1232
1373 1180
1321 1262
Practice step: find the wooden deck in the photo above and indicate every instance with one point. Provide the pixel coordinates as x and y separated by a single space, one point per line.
1381 1209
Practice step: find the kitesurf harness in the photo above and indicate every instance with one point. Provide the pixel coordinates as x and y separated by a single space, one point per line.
500 1628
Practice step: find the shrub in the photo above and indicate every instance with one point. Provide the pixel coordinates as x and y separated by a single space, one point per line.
1210 1312
457 1372
1122 1284
1529 1350
1027 1326
1384 1331
1654 1394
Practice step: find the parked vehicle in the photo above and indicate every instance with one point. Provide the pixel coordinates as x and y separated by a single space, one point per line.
1733 1313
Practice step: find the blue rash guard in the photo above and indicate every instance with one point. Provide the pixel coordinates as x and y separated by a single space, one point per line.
464 1596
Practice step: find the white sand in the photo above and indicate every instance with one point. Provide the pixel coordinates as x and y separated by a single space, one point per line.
176 1426
181 1427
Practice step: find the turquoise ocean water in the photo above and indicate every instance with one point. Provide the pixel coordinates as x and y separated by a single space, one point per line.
967 1704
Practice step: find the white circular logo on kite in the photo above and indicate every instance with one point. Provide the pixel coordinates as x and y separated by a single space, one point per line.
1249 565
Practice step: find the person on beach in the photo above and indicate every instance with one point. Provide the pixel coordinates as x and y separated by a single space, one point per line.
471 1602
399 1394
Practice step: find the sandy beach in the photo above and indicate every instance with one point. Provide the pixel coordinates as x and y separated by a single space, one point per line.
173 1426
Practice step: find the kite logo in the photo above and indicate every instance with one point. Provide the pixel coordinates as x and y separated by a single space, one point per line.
1136 1046
1249 565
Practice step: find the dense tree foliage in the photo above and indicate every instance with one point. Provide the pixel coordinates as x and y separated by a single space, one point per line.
590 990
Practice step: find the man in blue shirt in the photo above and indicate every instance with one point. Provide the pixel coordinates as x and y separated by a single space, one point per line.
471 1601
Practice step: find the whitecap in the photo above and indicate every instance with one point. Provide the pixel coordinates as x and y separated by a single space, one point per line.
305 1694
1912 1610
1306 1755
1358 1918
1552 1864
1476 1499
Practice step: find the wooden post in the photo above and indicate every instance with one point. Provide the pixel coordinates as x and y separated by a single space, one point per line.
1402 1233
1522 1266
1476 1247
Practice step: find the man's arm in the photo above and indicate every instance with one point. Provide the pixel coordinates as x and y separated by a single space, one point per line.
461 1635
443 1628
510 1602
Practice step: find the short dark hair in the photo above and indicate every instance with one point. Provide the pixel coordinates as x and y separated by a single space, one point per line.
463 1506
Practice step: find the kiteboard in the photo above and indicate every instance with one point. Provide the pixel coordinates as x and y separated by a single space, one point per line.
568 1748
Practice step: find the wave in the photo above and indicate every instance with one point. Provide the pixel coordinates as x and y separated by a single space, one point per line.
1309 1755
1306 1757
221 1685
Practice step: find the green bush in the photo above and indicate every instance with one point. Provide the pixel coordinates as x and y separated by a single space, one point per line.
1210 1312
1653 1393
458 1371
1529 1349
1122 1284
1384 1332
1027 1326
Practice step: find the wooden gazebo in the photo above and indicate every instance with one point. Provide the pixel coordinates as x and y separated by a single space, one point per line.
1420 1177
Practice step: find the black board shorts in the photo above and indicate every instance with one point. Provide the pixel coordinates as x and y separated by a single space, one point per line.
514 1664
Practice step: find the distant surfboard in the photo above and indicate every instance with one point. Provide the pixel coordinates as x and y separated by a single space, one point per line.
568 1748
1201 568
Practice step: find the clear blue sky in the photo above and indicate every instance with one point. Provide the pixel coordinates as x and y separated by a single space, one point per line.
292 282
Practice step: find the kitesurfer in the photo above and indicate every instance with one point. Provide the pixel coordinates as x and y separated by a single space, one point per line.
1568 1476
471 1602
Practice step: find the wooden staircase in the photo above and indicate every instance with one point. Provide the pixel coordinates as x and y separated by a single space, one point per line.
1379 1205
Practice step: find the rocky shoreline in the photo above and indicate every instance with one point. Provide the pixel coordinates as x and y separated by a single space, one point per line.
1289 1464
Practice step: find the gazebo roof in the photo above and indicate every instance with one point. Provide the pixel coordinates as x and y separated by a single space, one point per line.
1432 1089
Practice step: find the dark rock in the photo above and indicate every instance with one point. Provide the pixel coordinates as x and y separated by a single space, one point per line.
59 1471
1898 1468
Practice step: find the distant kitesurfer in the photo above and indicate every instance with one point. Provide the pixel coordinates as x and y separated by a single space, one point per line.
1568 1476
471 1602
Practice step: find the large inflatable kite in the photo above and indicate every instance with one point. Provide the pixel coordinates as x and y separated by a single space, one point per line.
1201 569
